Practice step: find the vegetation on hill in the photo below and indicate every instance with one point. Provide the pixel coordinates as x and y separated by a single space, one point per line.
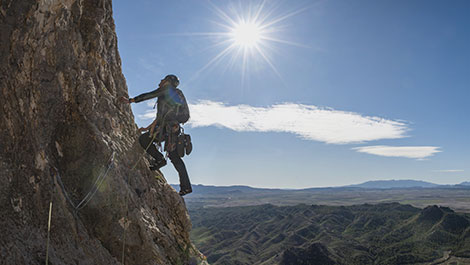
389 233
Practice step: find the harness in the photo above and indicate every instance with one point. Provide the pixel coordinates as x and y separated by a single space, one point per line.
167 129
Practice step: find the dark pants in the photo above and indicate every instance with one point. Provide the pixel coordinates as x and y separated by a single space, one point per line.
145 141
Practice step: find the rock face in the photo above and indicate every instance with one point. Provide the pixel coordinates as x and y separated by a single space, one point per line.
60 119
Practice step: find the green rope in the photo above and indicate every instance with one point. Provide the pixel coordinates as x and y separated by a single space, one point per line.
48 232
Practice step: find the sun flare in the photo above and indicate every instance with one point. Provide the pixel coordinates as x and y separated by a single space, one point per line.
246 34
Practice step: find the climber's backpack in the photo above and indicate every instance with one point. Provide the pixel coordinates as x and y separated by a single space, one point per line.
179 105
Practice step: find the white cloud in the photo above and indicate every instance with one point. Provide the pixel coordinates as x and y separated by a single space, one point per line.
418 152
306 121
449 170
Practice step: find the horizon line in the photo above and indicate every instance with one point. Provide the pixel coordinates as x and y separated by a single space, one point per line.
323 187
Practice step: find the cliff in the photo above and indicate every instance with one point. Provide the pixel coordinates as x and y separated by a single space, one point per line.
64 134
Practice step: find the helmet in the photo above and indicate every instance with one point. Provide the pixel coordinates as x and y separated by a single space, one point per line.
173 80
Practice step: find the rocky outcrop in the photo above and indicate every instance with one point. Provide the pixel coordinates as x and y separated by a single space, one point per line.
60 79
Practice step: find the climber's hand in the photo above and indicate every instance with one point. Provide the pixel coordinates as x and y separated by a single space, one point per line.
126 100
142 129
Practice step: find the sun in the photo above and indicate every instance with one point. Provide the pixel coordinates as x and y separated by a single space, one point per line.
247 37
246 34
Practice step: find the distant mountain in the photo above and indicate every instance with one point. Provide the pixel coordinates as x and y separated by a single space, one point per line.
390 233
465 183
209 189
374 184
391 184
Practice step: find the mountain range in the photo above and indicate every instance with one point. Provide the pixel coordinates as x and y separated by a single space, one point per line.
391 184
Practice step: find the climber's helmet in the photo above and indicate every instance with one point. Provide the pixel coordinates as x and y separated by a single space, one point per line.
172 79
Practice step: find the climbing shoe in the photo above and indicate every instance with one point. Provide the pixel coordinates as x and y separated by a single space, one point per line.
184 192
156 165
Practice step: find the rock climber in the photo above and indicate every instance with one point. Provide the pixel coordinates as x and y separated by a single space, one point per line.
172 110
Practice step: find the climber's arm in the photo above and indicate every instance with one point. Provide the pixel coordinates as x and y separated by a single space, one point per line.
153 94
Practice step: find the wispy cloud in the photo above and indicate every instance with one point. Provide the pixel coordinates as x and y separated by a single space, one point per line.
417 152
152 67
306 121
449 170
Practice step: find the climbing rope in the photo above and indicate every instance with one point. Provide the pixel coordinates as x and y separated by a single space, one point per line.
59 180
96 186
89 196
127 202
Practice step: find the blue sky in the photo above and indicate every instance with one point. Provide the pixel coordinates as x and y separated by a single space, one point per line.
332 93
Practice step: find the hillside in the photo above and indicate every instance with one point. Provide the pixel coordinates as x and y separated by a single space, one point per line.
65 139
456 197
309 234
